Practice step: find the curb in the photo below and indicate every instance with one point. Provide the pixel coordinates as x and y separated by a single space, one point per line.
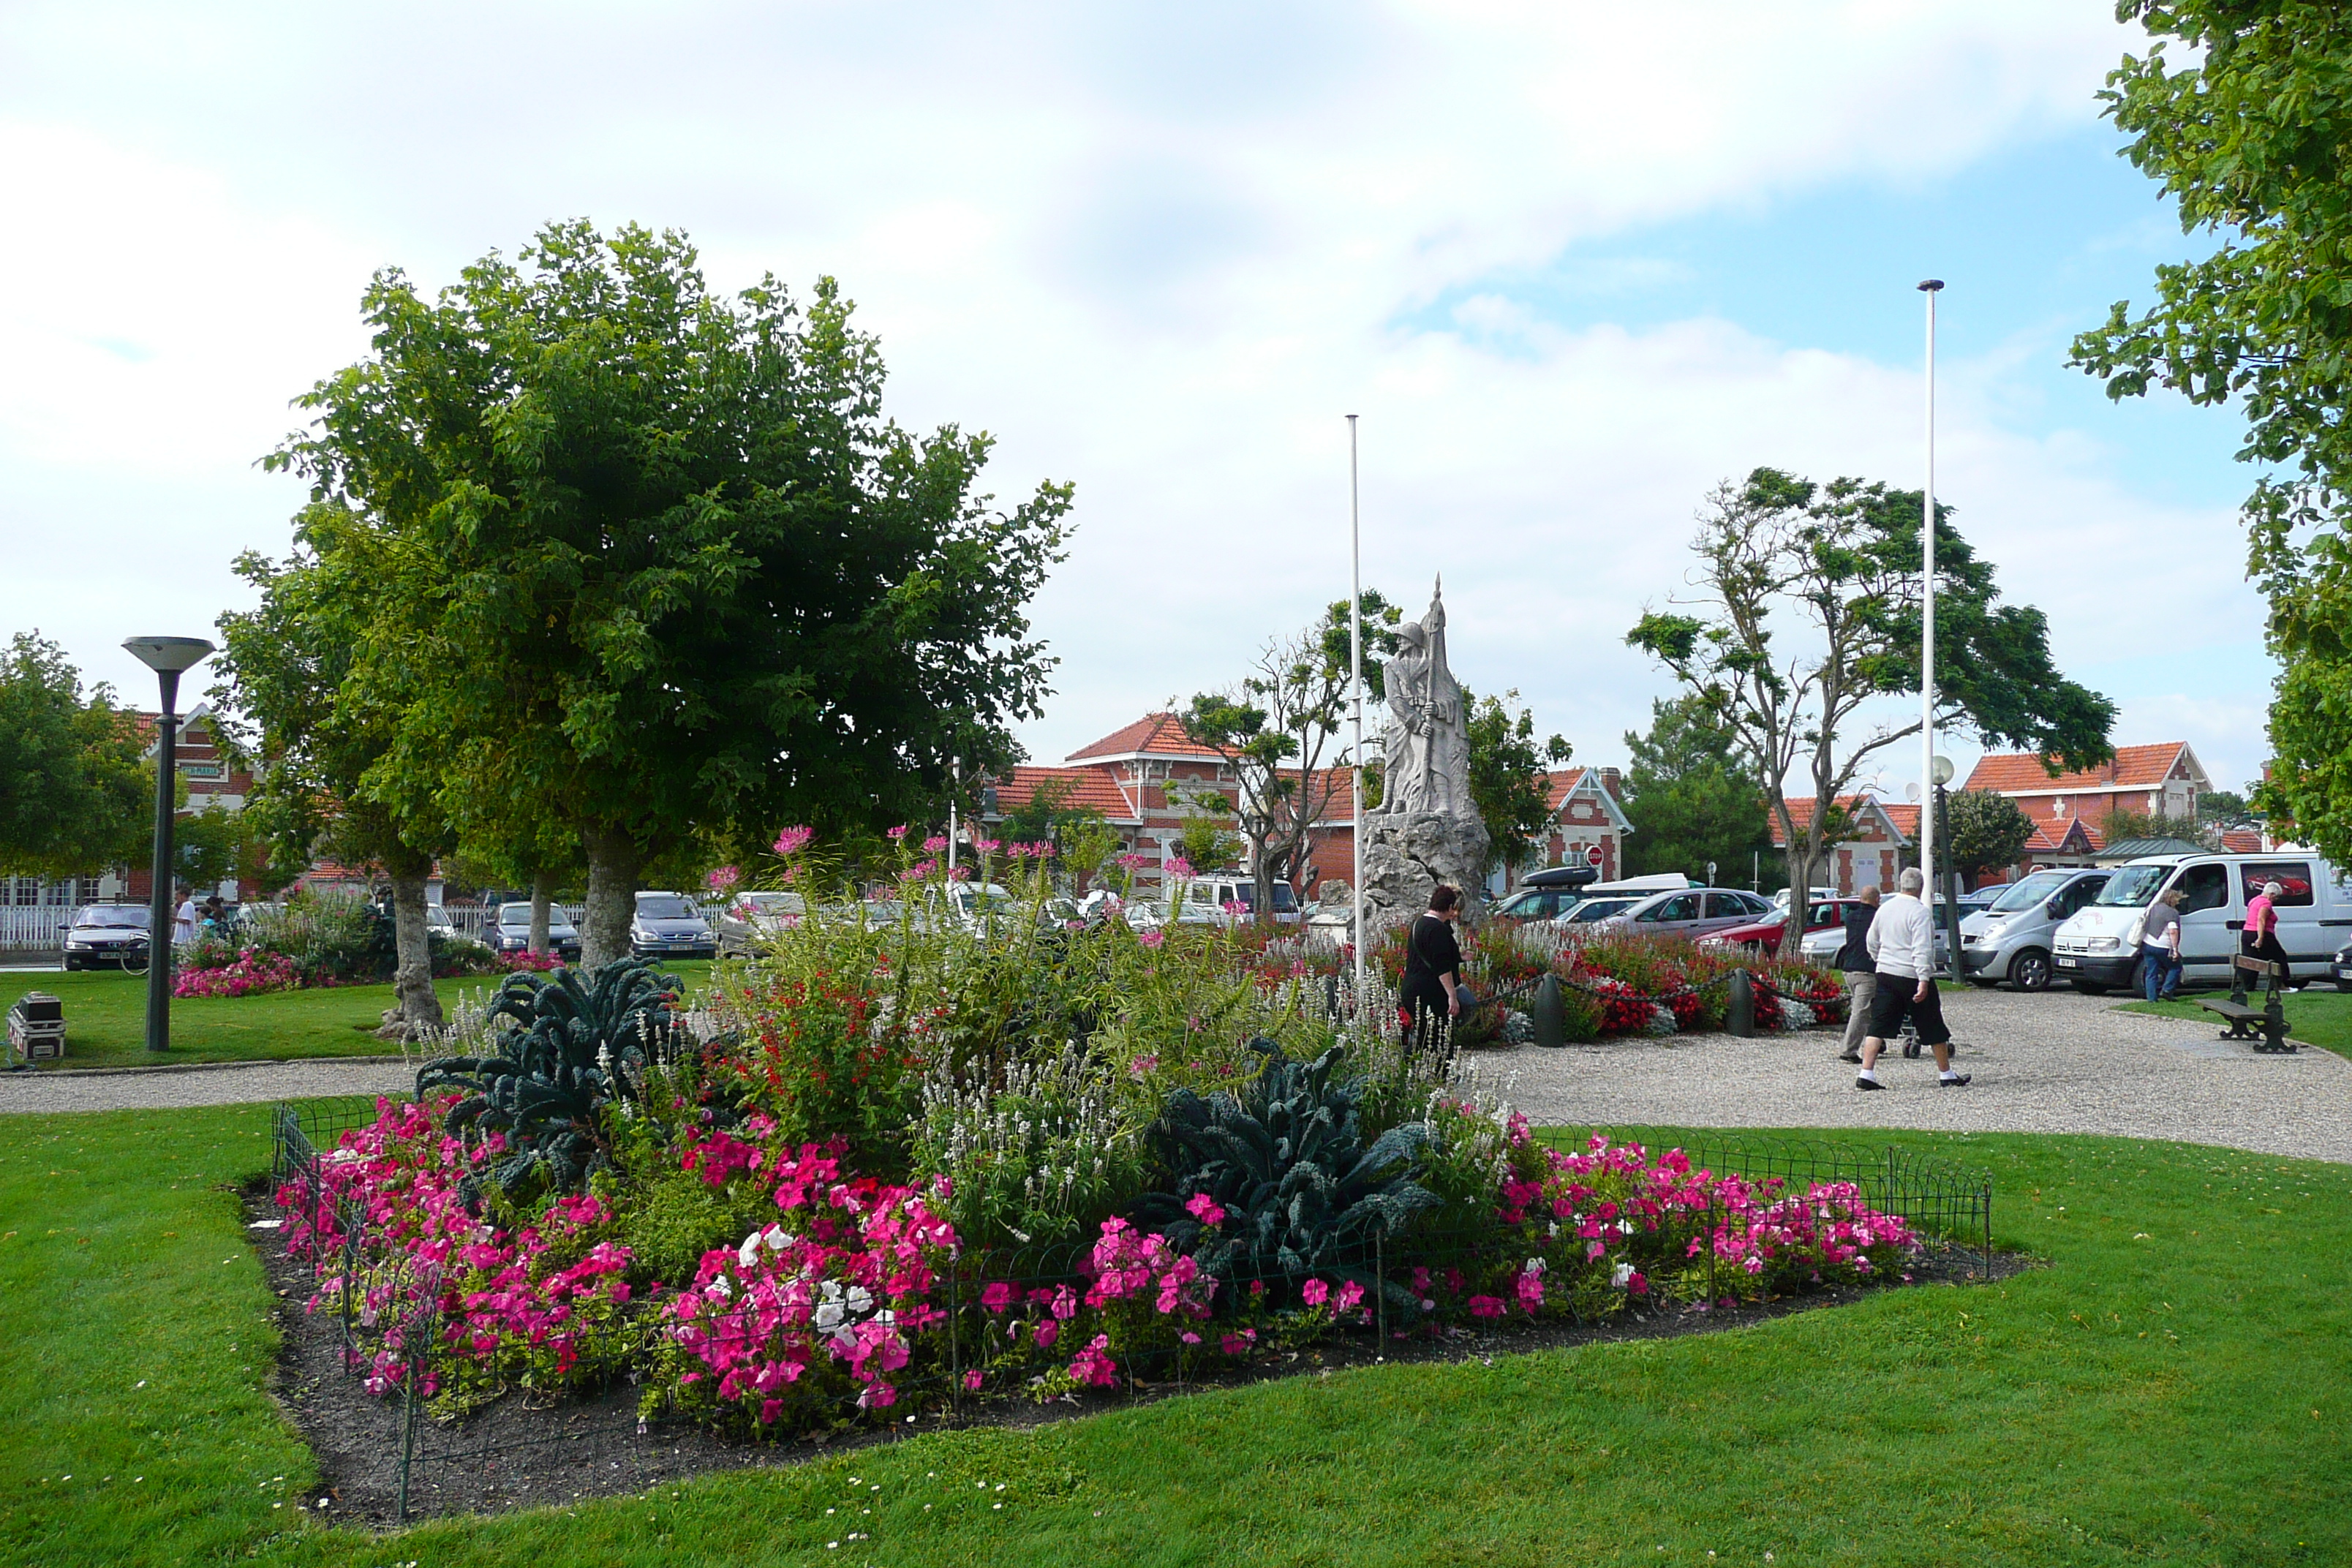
38 1075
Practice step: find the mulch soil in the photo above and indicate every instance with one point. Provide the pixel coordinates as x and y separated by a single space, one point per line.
521 1453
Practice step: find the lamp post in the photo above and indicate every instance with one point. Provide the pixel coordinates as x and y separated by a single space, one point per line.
1356 708
1931 288
168 657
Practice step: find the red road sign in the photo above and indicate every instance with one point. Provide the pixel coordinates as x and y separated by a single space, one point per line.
1593 856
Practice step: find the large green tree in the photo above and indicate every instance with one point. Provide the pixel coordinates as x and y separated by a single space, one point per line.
1809 613
2242 111
1690 795
1984 831
74 797
1280 731
664 569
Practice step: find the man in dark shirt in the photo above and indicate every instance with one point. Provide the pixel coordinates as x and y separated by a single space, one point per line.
1861 978
1433 965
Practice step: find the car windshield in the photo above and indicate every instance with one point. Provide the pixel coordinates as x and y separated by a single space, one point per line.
118 915
1531 904
663 907
2032 891
516 914
773 903
1597 910
2132 887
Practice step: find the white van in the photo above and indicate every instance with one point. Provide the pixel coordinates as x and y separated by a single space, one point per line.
2098 946
1220 899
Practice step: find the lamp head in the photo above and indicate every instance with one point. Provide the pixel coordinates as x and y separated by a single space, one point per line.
1941 770
1932 286
169 656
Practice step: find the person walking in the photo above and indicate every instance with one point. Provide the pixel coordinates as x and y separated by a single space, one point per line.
1903 957
2260 937
1433 966
2159 946
1861 981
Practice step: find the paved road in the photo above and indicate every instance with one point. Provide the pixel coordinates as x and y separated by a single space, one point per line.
2057 1062
227 1084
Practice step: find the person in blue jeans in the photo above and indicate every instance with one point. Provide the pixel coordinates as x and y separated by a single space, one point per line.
2160 945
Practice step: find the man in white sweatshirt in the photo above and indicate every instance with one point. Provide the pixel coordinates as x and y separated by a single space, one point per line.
1903 955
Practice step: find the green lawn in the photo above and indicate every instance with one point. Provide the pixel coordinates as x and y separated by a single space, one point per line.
2322 1018
105 1018
2172 1387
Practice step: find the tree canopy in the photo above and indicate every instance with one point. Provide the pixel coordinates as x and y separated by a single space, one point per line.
1985 831
75 795
1690 795
1508 782
2241 112
1810 597
657 566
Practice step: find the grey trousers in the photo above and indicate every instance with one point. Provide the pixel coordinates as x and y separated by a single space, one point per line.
1861 989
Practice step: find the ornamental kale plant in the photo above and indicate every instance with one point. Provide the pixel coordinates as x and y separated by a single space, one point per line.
1284 1161
570 1047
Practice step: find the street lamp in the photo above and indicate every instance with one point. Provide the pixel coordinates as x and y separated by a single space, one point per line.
168 657
1931 287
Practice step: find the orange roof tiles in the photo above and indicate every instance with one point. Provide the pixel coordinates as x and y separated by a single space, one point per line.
2023 773
2243 840
1800 811
1089 788
1155 734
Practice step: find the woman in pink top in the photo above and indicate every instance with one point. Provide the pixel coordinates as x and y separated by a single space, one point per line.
2260 937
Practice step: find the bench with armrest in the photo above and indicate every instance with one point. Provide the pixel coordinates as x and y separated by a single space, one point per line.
2265 1027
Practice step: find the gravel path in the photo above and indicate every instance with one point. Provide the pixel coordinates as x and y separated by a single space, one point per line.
2056 1062
228 1083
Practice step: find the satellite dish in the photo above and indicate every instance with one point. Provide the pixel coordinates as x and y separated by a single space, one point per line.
1911 792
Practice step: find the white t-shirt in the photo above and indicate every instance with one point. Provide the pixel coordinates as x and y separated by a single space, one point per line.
184 925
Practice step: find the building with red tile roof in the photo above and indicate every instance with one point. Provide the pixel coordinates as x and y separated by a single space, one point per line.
1871 851
2069 808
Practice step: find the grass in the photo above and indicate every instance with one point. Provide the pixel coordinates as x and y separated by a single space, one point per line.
2322 1018
105 1018
2172 1387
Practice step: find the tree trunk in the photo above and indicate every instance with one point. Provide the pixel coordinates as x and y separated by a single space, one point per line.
614 862
412 975
1802 858
540 902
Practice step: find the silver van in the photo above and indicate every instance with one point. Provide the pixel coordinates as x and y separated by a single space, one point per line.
2012 938
2098 948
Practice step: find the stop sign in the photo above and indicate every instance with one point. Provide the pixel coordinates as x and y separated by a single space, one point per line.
1593 856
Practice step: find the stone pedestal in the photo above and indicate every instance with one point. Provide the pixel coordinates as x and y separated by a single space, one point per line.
1405 856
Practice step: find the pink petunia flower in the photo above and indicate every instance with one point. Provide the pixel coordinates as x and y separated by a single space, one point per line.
1315 1292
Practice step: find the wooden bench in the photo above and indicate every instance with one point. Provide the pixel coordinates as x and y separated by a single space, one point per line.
2265 1027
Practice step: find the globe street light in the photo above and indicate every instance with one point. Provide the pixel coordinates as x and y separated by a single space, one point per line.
168 657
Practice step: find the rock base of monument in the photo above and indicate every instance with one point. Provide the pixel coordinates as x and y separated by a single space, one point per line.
1406 857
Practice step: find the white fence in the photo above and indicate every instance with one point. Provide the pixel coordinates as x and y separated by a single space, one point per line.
34 928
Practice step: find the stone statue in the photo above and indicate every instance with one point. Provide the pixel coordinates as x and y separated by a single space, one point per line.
1427 829
1428 763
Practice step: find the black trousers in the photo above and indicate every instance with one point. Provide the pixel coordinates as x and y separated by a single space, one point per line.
2264 946
1895 1003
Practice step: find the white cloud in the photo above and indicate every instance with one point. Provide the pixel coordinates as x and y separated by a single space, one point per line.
1159 253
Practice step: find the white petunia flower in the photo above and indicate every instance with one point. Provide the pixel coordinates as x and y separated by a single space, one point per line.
1622 1276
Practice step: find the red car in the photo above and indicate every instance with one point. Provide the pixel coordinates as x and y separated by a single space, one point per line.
1763 936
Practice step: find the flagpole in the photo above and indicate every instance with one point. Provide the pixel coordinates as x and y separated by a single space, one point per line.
1356 703
1931 288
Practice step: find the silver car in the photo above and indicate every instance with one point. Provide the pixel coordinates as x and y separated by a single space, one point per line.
2012 939
748 917
1690 913
669 923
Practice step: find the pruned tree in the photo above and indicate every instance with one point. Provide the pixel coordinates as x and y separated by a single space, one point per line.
1810 602
1281 730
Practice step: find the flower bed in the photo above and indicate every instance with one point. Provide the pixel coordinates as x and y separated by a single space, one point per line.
925 1163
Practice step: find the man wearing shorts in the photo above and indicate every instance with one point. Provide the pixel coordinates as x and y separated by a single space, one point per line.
1903 957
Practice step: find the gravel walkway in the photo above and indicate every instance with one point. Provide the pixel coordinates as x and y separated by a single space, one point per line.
2055 1062
228 1083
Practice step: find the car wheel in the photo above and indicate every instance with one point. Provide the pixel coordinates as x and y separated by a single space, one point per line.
2029 970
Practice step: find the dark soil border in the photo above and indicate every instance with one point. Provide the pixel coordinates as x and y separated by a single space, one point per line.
589 1445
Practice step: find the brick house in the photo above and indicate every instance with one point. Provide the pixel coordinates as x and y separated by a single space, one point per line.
2067 809
1871 853
1133 776
1588 813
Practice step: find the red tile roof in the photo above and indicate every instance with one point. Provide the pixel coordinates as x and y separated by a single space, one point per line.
1088 787
1157 734
2243 840
1800 811
2023 773
1904 817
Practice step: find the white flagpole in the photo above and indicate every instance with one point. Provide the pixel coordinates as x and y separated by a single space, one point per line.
1356 703
1931 288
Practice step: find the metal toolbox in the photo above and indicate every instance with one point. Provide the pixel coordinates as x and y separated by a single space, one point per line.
36 1027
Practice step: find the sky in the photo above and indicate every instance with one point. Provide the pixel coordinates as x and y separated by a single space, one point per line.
1573 263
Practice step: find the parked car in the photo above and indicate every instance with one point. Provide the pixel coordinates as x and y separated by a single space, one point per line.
2098 946
1694 912
1764 935
511 934
748 917
1218 895
1548 894
103 934
1595 911
1823 947
2011 939
438 923
668 923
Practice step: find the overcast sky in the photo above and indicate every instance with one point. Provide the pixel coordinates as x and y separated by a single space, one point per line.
1573 263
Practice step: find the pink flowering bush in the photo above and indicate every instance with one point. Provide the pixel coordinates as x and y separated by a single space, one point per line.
250 974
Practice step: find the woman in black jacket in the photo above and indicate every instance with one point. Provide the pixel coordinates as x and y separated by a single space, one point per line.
1433 966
